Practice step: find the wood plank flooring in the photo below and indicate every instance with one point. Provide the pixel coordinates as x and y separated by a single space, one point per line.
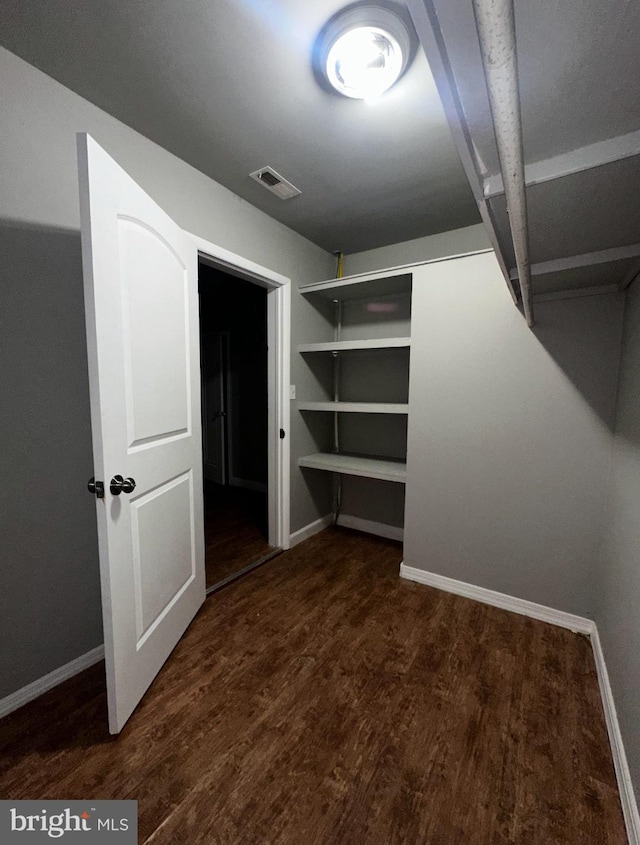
235 527
323 701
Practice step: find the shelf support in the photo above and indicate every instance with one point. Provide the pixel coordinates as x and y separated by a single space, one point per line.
337 478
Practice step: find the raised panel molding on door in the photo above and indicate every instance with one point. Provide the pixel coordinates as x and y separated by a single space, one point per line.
155 411
141 300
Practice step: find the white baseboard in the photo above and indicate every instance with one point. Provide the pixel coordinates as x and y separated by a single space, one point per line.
311 529
579 624
257 486
623 775
36 688
366 525
526 608
380 529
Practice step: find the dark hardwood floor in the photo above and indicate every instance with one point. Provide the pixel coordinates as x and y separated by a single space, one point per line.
235 527
322 699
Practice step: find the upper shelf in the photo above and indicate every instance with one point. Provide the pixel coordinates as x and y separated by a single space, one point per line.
364 286
393 280
354 345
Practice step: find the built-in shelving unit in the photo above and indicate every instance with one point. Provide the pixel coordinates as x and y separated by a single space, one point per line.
362 377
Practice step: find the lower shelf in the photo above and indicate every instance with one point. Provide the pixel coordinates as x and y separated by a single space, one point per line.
356 407
385 469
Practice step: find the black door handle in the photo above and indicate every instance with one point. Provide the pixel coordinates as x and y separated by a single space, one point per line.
119 485
96 488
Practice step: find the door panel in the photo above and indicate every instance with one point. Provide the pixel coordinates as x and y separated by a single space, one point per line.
164 556
156 374
142 337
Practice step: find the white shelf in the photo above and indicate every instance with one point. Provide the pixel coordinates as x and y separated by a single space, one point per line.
384 469
356 407
353 345
367 286
348 286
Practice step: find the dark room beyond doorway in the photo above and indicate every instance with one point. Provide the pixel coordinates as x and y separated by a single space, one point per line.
233 346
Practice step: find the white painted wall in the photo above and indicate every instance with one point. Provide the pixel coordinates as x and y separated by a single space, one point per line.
509 435
618 611
48 541
454 242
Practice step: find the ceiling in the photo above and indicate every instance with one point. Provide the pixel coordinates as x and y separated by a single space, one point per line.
228 86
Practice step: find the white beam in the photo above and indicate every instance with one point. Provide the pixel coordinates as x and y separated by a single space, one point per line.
587 259
497 38
425 20
575 161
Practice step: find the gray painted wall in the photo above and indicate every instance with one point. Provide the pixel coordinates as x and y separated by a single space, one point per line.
618 612
509 435
48 545
50 594
454 242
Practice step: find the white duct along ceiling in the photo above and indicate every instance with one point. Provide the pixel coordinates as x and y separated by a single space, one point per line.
578 86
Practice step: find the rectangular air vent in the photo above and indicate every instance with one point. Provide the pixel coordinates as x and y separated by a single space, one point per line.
275 183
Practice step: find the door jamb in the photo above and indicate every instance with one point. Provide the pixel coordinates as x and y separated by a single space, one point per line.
278 368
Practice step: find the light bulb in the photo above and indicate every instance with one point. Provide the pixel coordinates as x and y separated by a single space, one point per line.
364 62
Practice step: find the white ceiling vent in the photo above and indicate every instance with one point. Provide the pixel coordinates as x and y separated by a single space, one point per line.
275 183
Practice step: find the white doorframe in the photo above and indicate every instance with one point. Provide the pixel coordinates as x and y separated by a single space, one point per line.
278 376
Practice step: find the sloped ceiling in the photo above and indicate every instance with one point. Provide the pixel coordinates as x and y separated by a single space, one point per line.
228 86
579 83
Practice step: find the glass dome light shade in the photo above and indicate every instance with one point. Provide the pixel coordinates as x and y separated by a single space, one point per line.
364 62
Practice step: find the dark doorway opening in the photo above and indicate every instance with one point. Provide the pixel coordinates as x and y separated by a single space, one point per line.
233 348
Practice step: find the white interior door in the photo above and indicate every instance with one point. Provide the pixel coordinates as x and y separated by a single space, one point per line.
215 412
140 273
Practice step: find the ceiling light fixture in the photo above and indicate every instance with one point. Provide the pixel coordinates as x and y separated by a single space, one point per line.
363 51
